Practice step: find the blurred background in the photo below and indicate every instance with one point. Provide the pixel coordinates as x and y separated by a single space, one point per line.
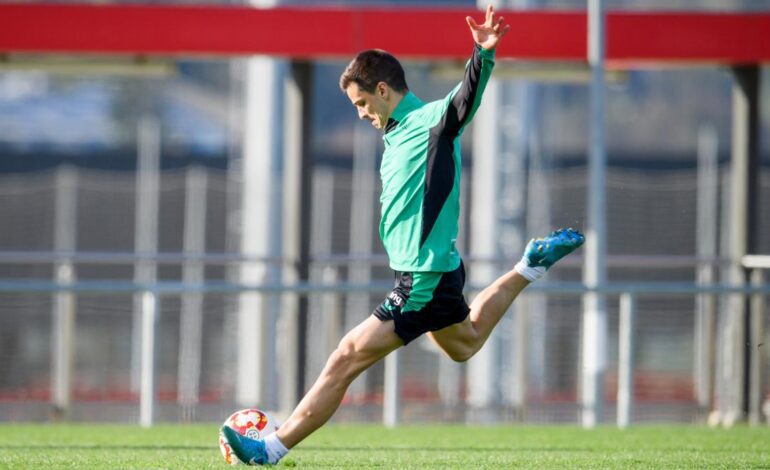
125 173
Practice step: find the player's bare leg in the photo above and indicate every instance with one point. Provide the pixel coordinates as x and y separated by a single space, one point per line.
461 341
364 345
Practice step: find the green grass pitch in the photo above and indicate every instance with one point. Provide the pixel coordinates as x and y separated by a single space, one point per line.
370 446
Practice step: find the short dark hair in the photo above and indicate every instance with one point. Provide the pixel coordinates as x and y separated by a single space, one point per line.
372 67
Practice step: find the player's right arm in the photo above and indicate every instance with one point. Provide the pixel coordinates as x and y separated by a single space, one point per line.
465 99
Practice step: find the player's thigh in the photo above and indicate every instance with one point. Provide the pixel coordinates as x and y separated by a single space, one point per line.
454 336
372 338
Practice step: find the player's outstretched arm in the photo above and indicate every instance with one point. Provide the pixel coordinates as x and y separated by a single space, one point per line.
465 99
488 34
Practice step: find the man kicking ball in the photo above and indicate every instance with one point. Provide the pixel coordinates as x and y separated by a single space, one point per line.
420 210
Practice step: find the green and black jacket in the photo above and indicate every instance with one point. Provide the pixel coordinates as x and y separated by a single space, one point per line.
420 173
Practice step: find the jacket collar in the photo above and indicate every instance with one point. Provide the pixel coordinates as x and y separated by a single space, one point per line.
408 103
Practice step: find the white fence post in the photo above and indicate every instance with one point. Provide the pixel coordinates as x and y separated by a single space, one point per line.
147 376
64 303
193 272
626 359
756 365
594 337
391 404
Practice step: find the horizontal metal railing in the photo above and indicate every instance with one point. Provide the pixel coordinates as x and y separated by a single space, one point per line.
224 287
131 257
628 292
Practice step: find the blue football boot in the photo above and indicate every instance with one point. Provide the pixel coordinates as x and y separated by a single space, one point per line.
544 252
249 451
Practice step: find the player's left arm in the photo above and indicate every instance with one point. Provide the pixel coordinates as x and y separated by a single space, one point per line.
466 97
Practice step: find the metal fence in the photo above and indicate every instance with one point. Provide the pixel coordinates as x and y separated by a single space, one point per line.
84 337
653 358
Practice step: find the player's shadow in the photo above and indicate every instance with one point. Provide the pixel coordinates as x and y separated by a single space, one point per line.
503 449
103 447
441 449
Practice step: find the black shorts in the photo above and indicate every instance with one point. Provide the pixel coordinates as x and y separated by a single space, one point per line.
424 301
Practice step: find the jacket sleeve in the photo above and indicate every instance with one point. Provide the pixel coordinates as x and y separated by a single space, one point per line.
463 101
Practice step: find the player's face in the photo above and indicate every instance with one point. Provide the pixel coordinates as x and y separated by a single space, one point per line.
373 107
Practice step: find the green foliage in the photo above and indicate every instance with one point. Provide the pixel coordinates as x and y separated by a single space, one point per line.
414 447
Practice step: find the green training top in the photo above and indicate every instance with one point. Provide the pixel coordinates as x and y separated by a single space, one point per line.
420 173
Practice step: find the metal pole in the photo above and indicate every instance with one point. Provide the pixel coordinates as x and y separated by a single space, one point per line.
296 231
756 359
331 318
332 311
743 237
521 343
65 234
626 360
749 78
362 204
191 319
147 382
261 230
146 225
391 400
594 338
706 239
481 379
539 357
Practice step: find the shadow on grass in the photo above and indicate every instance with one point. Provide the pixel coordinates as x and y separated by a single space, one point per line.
302 448
103 447
586 450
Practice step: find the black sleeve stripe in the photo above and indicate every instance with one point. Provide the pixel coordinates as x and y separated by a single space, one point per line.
461 106
439 180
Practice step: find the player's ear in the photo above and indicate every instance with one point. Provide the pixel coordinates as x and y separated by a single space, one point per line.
383 90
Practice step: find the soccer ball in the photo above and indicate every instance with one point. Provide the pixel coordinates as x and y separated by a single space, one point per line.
252 423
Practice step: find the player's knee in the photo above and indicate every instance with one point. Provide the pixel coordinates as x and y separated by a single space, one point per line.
461 354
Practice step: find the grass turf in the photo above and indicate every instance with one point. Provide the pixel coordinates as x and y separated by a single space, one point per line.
363 446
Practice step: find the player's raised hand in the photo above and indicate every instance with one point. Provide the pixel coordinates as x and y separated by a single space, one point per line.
488 34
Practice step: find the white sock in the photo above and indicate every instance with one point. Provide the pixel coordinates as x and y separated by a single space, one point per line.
530 273
274 448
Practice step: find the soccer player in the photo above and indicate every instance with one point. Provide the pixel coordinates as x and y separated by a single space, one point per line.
420 205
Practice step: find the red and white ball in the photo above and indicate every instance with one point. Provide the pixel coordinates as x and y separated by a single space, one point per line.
252 423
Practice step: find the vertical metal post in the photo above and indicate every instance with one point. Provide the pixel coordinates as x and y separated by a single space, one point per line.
756 343
538 222
481 379
147 383
146 228
743 236
449 384
520 344
191 319
65 234
332 308
362 221
706 239
594 337
257 381
626 360
749 80
261 229
516 118
296 231
291 351
391 400
330 303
